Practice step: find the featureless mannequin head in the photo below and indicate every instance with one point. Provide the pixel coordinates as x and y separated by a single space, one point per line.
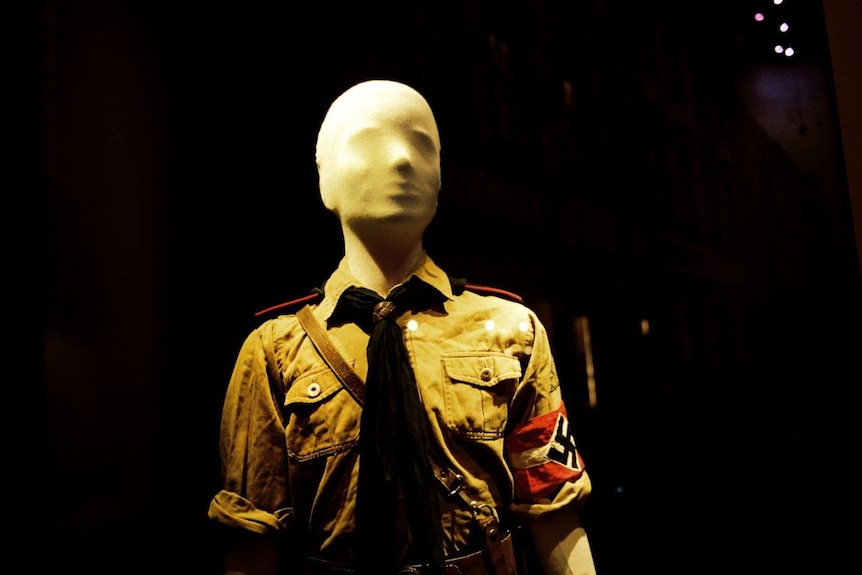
378 158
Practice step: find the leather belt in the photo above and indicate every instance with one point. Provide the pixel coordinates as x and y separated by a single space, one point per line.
470 564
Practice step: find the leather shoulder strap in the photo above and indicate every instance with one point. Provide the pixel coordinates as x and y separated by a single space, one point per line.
352 382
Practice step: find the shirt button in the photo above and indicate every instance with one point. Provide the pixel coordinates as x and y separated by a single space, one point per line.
485 374
313 389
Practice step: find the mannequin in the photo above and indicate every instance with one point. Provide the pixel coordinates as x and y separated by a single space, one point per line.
289 432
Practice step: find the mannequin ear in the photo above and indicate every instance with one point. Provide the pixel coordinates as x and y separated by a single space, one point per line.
325 196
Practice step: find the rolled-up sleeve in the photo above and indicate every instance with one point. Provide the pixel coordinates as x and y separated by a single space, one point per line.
254 494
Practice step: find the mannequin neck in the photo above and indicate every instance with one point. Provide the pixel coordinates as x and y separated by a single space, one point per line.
380 266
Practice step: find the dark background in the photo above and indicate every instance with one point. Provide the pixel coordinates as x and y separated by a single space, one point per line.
610 161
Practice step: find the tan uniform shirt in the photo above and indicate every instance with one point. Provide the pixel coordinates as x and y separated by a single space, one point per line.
289 429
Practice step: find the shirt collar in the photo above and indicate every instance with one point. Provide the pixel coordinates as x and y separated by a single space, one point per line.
341 279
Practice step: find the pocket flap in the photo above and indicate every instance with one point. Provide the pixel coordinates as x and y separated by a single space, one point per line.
312 387
484 370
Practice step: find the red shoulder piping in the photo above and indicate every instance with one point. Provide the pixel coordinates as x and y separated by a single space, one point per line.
292 302
495 291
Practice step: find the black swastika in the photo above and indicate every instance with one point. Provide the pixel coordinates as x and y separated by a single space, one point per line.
563 448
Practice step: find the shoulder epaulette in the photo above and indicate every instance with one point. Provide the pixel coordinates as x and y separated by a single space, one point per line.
315 294
461 284
493 291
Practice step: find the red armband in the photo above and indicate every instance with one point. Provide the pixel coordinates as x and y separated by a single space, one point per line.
543 456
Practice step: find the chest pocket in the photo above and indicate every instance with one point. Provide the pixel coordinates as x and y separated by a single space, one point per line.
322 416
477 388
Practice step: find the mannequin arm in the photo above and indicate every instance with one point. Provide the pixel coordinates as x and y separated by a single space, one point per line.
561 544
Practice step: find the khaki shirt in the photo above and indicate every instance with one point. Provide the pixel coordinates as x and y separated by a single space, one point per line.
289 429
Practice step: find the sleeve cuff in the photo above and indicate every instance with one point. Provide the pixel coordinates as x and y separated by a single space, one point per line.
573 493
231 510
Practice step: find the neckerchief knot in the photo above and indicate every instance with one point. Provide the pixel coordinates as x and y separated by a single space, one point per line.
384 310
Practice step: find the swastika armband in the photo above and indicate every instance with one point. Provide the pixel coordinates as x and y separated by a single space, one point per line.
543 456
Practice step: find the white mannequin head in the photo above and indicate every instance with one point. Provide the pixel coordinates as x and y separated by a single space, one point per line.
378 159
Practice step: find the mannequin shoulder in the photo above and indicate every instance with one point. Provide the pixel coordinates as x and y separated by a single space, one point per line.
485 290
487 299
461 286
